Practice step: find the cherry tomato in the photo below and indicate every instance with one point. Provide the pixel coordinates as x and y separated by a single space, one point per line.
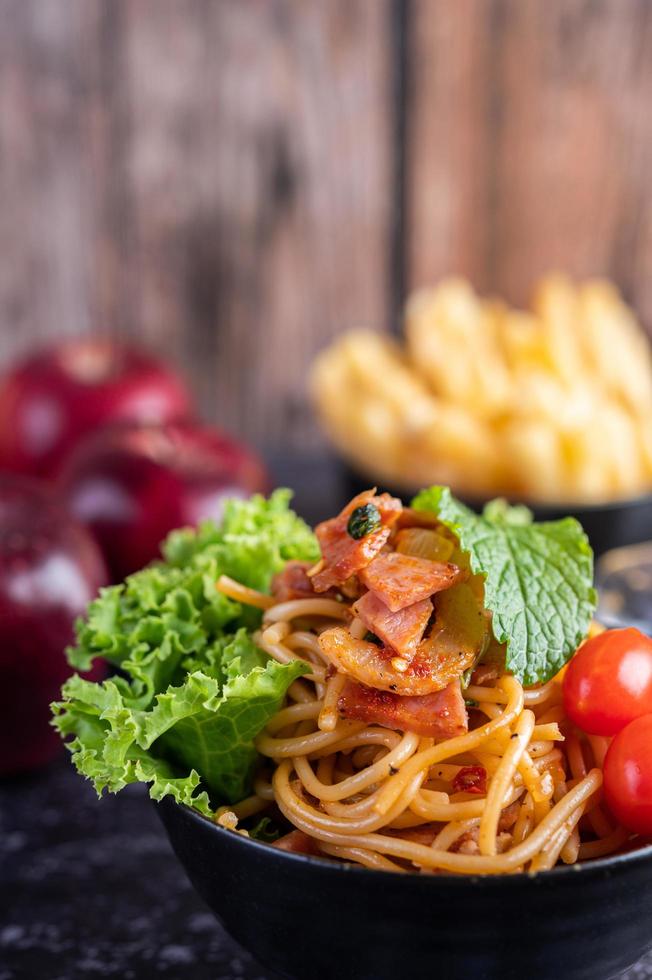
628 776
608 683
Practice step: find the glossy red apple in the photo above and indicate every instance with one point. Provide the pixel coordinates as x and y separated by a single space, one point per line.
50 569
133 484
58 395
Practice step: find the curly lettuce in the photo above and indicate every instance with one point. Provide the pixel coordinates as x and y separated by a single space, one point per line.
191 689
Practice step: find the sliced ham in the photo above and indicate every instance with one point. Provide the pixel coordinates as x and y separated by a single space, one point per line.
509 816
440 716
403 630
342 555
485 674
293 582
424 834
468 842
296 842
401 580
431 669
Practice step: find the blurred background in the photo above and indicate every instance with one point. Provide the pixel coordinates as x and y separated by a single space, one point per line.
233 183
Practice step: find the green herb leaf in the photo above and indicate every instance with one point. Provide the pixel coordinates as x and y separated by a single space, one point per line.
538 579
466 678
363 521
265 830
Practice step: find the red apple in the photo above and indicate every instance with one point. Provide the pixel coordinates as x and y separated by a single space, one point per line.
50 568
133 484
51 400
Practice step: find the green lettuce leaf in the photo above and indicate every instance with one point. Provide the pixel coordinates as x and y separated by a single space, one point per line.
193 690
196 732
254 541
538 579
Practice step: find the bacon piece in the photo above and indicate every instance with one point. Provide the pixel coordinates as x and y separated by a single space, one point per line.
471 779
424 834
431 669
296 842
293 582
343 555
441 715
401 580
484 674
403 630
468 842
509 816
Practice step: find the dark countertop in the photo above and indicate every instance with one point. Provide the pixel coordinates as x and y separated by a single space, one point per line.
91 889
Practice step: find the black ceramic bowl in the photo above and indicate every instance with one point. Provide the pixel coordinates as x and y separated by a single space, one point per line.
608 525
309 918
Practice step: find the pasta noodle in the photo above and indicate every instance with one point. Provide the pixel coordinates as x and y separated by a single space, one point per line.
382 799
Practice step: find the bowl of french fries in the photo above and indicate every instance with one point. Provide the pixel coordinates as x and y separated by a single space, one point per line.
551 406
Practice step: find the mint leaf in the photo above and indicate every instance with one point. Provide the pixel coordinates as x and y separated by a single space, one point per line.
538 579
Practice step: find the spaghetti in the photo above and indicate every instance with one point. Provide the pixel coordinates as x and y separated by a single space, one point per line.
518 789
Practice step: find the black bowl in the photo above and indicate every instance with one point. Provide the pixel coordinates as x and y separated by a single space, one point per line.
608 525
310 918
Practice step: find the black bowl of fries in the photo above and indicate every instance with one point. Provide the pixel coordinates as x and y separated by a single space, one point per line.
306 917
551 407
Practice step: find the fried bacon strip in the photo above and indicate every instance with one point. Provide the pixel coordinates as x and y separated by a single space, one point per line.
296 842
342 555
468 842
401 580
485 674
293 582
440 716
403 630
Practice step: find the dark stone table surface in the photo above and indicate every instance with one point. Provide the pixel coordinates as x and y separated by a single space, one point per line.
91 889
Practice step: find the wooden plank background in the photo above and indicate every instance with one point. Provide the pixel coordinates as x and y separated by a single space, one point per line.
235 181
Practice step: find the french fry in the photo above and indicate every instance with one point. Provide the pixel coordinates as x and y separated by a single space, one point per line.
553 404
451 344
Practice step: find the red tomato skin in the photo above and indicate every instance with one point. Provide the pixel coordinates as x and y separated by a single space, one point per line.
628 776
608 683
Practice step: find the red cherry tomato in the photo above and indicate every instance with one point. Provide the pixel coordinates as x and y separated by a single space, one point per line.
608 683
628 776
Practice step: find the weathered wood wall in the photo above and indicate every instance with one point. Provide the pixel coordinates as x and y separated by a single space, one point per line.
530 142
235 181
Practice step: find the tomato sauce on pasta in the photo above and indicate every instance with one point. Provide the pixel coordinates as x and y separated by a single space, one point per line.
451 767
